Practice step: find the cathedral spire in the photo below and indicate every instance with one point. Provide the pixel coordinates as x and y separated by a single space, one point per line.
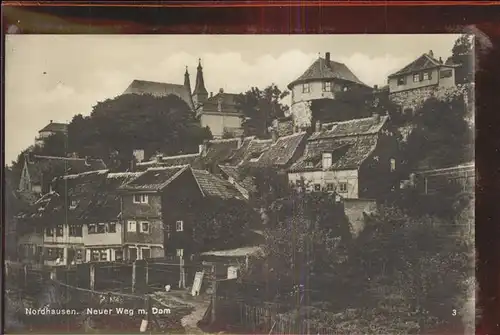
200 93
187 82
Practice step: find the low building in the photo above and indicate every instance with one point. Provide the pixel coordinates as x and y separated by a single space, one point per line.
52 128
435 181
39 171
159 208
355 159
220 113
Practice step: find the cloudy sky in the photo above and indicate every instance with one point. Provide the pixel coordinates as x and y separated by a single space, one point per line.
53 77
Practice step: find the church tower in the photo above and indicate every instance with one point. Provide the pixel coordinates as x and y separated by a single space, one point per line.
187 82
200 93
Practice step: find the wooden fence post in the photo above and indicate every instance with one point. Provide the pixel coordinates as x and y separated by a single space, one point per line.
92 276
147 273
214 294
134 269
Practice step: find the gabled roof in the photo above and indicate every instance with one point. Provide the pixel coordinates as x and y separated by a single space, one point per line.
154 179
350 143
228 104
424 62
220 150
160 90
356 127
320 70
55 127
282 151
214 186
41 208
235 172
164 161
46 168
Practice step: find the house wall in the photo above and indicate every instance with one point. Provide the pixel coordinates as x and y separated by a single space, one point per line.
65 239
28 246
106 238
143 211
324 177
218 122
410 84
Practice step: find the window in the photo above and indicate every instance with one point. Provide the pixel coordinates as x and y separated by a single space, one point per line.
101 228
327 160
118 254
309 164
393 164
140 198
416 78
327 86
132 226
92 228
95 255
179 226
180 252
79 254
445 74
330 187
317 187
146 253
401 81
73 204
75 231
306 88
426 76
49 232
145 227
103 255
343 187
60 230
132 253
54 253
112 227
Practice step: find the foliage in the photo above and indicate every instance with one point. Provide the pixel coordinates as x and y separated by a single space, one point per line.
221 224
441 137
260 108
463 55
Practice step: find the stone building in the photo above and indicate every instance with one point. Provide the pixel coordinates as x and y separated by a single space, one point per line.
322 80
217 112
422 78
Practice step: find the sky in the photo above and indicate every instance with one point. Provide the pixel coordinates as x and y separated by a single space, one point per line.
54 77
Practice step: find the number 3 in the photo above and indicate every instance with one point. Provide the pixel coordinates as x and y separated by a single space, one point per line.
454 312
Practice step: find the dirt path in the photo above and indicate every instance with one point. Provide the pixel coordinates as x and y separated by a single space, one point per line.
189 321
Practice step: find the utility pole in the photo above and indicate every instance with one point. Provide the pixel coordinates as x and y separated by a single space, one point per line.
92 277
134 277
214 294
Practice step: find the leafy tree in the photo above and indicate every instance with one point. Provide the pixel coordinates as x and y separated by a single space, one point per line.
463 55
260 108
441 137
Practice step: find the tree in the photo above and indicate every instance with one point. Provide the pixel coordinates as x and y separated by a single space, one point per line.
260 108
463 55
441 137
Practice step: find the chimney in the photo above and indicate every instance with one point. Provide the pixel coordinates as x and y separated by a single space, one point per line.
376 116
159 157
375 87
74 155
221 90
211 94
317 127
133 165
327 59
440 60
431 53
87 161
139 155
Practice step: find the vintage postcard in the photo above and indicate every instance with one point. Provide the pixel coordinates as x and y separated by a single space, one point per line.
270 184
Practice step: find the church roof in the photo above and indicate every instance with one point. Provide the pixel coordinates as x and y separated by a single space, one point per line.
160 90
321 70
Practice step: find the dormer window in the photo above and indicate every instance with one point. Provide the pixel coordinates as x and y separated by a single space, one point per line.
401 81
140 198
416 78
309 164
73 204
255 156
327 160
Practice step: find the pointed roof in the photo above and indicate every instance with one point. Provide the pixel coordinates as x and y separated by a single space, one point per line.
424 62
187 81
200 82
160 90
321 70
55 127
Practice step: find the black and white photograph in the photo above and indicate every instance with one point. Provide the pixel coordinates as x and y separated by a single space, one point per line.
239 184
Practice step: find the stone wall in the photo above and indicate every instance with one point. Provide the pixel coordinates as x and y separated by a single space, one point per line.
413 99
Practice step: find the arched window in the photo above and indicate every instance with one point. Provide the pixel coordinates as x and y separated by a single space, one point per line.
393 164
